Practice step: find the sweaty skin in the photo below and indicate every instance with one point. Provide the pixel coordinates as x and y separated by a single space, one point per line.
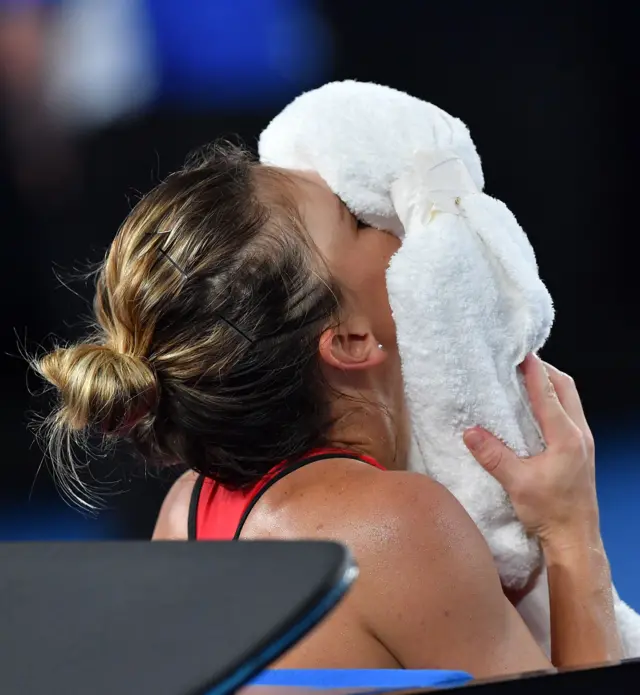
428 594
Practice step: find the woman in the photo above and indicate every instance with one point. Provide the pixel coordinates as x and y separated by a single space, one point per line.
244 330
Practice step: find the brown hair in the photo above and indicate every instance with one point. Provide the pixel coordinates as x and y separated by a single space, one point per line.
209 308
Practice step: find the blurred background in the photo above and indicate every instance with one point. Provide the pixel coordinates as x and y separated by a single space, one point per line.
99 99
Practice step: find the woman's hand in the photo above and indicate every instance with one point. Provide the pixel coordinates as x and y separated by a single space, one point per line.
553 493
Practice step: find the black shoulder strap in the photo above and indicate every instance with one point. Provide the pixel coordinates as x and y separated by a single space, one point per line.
283 473
192 524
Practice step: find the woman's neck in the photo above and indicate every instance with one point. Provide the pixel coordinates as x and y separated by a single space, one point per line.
370 424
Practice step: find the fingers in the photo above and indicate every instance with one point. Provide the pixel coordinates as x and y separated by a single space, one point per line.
568 396
554 421
496 458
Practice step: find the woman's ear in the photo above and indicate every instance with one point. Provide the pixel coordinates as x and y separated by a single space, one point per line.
346 349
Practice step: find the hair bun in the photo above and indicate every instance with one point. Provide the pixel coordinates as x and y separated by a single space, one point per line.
100 387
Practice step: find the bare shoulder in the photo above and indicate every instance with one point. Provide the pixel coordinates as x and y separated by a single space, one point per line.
428 587
173 519
366 508
447 608
409 497
411 515
419 525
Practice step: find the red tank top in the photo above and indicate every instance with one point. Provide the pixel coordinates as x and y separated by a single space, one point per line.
217 513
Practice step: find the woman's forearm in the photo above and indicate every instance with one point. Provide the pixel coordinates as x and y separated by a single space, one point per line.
583 622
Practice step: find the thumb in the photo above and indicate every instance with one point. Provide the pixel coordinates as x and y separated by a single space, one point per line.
496 458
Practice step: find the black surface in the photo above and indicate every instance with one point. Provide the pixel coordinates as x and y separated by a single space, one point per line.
605 680
165 618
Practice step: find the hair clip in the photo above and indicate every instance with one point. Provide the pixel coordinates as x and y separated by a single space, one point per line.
186 277
166 255
173 263
235 328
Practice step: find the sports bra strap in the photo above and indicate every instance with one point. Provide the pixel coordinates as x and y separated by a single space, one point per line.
285 472
277 473
192 521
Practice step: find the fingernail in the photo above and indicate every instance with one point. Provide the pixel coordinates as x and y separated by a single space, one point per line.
526 360
473 439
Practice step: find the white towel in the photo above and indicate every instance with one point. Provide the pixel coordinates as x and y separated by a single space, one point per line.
464 287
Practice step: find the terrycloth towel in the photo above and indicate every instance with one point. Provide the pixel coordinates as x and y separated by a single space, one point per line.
464 289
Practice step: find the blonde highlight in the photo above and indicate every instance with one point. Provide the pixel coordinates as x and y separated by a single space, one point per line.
208 312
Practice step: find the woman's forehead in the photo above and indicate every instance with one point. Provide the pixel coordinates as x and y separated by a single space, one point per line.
316 198
323 216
